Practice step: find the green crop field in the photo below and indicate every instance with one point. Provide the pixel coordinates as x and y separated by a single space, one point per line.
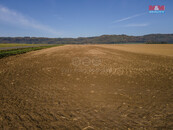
5 53
18 45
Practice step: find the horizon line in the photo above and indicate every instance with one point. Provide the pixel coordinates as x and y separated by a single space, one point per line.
86 36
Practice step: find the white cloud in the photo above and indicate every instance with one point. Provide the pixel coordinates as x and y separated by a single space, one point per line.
137 25
127 18
16 18
131 25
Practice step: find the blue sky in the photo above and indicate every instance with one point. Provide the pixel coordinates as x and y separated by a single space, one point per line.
82 18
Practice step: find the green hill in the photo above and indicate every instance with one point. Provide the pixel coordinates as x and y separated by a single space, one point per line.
104 39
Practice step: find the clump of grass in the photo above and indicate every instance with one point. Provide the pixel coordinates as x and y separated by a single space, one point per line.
5 53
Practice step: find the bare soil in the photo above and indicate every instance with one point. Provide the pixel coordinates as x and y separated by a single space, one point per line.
88 87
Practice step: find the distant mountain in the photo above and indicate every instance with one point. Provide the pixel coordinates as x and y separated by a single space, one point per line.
104 39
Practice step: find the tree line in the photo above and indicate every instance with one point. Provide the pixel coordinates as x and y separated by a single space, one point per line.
104 39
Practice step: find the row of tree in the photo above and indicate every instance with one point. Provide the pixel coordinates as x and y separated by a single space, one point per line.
104 39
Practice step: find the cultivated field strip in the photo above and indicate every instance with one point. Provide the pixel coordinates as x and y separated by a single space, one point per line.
22 46
86 87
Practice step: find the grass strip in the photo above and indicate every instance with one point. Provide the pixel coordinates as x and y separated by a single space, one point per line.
5 53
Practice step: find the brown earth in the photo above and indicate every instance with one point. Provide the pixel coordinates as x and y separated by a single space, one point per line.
88 87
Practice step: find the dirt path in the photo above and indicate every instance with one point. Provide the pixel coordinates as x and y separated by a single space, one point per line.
86 87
